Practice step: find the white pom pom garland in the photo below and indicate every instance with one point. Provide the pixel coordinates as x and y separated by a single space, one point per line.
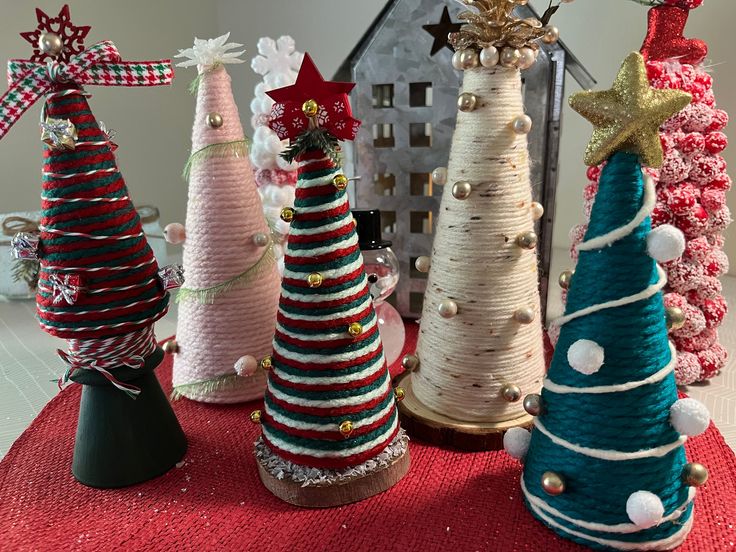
689 417
665 243
644 509
585 356
516 442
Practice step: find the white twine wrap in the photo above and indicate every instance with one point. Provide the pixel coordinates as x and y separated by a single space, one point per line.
465 360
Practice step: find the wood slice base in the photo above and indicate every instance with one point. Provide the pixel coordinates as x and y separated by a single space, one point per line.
426 424
327 496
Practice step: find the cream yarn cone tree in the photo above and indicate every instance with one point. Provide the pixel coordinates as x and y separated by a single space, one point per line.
480 344
227 307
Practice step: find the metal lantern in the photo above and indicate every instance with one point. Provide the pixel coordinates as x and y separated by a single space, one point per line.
406 96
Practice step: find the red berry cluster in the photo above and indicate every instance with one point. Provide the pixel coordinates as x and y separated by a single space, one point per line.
691 195
687 4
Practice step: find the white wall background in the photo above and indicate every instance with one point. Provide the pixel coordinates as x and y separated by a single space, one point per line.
153 125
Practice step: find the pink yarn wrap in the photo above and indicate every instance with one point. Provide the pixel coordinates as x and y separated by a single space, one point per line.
223 214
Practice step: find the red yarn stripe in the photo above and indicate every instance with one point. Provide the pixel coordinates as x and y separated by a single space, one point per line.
329 344
285 301
327 282
325 435
316 191
336 324
321 259
380 372
332 463
311 366
318 165
329 411
323 236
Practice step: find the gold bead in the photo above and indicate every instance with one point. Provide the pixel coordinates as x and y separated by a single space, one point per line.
461 190
551 34
527 240
565 279
255 416
314 280
399 393
410 362
214 120
51 44
467 102
266 363
346 428
310 108
695 474
287 214
552 483
510 57
468 59
355 329
675 318
527 58
340 182
511 392
171 347
524 315
533 404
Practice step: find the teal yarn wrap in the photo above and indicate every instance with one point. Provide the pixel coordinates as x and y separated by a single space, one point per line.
635 344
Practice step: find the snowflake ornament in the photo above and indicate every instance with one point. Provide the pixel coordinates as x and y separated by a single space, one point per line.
207 54
277 58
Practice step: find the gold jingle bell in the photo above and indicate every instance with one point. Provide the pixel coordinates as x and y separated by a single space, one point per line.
355 329
310 108
340 182
287 214
399 393
675 318
695 474
314 280
255 416
346 428
266 363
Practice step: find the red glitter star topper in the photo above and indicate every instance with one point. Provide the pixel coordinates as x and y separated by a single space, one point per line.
664 37
72 37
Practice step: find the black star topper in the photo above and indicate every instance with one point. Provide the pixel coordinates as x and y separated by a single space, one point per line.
440 31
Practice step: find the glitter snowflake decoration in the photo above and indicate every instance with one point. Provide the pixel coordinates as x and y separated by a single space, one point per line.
207 54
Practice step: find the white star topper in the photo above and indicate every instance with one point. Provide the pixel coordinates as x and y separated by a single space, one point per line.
208 53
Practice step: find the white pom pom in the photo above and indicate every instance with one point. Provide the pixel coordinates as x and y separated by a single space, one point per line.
516 442
689 417
644 509
585 356
665 243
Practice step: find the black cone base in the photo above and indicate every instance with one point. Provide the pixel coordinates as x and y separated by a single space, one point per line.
123 441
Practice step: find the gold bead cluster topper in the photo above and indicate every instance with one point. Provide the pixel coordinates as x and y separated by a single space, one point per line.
346 428
355 329
340 181
287 214
266 363
314 280
310 108
255 416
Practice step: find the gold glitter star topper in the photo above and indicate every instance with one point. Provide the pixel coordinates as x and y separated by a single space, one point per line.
628 116
495 25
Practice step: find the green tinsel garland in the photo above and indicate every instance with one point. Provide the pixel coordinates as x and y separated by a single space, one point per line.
316 138
194 85
208 295
237 148
225 382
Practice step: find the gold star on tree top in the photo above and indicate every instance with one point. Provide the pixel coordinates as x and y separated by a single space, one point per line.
628 116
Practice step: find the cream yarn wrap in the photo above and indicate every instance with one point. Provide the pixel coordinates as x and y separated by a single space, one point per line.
464 361
223 214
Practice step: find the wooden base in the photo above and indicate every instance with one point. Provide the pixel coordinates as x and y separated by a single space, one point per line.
434 428
326 496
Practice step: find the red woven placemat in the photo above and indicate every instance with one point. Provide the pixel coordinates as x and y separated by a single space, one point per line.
215 501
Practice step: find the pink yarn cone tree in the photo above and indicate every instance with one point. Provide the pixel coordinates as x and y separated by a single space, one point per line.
227 309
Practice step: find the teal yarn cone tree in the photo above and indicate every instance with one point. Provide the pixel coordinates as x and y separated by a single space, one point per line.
605 464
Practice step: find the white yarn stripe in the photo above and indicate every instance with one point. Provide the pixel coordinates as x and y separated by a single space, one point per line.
649 200
325 359
319 181
89 236
646 294
304 163
102 143
326 336
283 445
72 175
97 268
333 403
348 220
599 389
319 298
328 274
350 242
611 455
328 427
120 288
662 544
84 199
325 317
621 528
123 307
377 364
105 326
322 207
